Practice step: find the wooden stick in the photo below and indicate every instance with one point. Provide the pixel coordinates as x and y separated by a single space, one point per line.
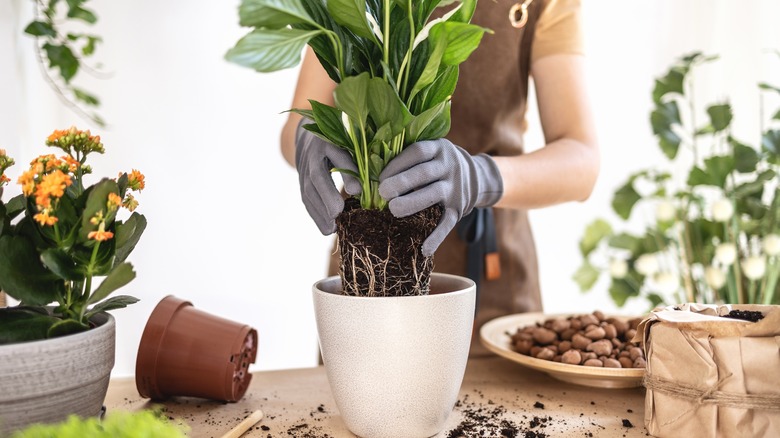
244 425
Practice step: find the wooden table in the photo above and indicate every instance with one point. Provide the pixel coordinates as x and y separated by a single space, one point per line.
497 395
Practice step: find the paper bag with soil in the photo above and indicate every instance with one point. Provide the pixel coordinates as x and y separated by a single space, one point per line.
712 376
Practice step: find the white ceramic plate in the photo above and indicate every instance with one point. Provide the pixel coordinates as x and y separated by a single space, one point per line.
495 335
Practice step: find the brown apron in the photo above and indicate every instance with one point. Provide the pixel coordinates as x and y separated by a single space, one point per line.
488 116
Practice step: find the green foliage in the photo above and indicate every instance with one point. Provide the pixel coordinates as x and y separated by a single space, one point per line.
63 53
119 424
729 199
396 69
58 236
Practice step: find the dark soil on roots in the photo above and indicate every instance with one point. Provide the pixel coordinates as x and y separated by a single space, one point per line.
380 254
747 315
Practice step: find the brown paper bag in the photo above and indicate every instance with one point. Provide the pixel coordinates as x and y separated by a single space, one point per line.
709 376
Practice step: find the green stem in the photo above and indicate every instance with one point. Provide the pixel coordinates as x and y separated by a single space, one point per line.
88 283
336 42
752 292
770 282
386 39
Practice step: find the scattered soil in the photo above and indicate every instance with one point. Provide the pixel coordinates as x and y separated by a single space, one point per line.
627 423
380 255
747 315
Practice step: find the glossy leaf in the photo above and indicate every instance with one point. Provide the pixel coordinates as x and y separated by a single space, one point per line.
127 235
431 70
66 327
439 126
461 40
23 276
442 88
96 202
60 263
62 58
118 277
745 157
329 121
386 107
420 122
671 83
40 28
113 303
351 96
352 15
272 14
267 50
23 325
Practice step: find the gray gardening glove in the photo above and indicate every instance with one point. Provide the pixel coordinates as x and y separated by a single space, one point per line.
438 172
314 158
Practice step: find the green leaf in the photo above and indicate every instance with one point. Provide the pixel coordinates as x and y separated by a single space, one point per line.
352 15
40 28
586 276
89 48
620 291
273 14
439 126
625 199
655 300
716 170
329 121
595 232
128 235
671 83
662 119
420 122
768 87
462 39
61 57
82 14
97 202
23 276
386 107
59 262
720 116
113 303
267 50
15 206
627 242
429 73
66 327
23 325
85 97
442 88
745 157
771 142
118 277
351 96
465 12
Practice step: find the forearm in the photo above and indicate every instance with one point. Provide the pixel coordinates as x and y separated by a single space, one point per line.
562 171
287 140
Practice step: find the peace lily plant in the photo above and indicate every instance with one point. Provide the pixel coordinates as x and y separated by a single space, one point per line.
59 236
715 237
396 69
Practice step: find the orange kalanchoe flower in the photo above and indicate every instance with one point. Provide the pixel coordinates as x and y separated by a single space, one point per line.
130 202
101 235
114 201
27 180
72 163
52 185
44 219
136 180
57 134
4 179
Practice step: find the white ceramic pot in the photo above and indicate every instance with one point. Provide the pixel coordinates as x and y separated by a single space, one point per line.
395 364
45 381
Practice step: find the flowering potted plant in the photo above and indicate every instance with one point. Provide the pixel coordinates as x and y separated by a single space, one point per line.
396 69
56 238
715 238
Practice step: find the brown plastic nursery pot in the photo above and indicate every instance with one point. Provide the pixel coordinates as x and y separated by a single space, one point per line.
188 352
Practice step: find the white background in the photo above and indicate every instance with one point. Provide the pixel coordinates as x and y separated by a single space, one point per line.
227 230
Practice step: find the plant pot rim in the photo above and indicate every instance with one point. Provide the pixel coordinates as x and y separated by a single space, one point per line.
104 321
467 288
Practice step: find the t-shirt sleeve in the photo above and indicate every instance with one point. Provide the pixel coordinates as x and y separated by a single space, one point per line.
559 30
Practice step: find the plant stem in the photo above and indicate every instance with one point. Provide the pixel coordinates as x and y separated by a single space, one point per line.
770 283
685 250
386 39
752 292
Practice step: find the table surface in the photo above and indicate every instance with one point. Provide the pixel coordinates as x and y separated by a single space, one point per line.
497 396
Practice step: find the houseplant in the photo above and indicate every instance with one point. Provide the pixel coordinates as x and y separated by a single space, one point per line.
715 237
118 424
396 70
56 239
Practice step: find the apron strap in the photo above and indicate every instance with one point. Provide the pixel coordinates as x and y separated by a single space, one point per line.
478 231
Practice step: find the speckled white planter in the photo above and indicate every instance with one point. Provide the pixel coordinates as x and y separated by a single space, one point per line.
395 364
45 381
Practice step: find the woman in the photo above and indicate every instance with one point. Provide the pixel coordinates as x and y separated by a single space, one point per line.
485 147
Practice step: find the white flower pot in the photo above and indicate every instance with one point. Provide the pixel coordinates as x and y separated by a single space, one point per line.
395 364
45 381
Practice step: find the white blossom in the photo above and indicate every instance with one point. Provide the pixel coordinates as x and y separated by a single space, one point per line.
754 267
726 254
345 122
715 277
771 244
722 210
427 28
618 268
646 264
375 26
665 211
666 282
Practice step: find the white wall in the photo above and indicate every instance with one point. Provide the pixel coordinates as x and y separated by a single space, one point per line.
227 230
